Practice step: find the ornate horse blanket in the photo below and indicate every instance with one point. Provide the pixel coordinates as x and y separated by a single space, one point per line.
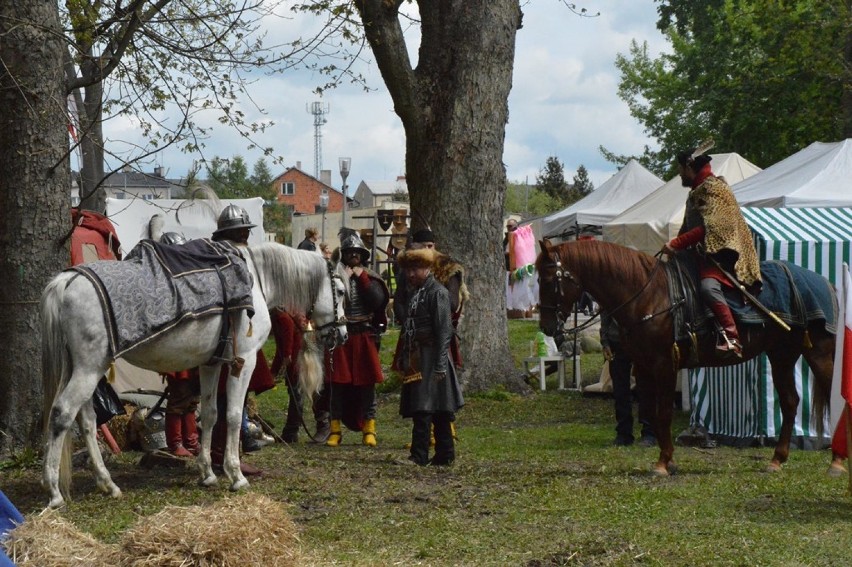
157 286
798 296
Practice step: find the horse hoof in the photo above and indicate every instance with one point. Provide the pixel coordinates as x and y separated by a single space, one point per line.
773 467
239 485
208 481
672 468
56 503
659 470
110 489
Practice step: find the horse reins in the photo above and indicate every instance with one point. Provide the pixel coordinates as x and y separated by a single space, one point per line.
564 272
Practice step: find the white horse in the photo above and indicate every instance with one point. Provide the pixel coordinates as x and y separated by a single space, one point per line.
75 355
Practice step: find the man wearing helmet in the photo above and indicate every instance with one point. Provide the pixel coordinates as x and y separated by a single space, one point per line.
235 226
355 365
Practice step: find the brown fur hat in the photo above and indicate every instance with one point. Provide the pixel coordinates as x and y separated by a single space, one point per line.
416 258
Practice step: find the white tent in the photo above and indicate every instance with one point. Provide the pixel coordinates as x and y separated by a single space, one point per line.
656 219
817 176
192 219
629 185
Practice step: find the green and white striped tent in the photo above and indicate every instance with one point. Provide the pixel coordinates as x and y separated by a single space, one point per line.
738 404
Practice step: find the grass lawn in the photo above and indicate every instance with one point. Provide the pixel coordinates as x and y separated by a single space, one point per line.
536 483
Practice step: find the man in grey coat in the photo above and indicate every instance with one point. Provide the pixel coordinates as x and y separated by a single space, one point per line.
430 392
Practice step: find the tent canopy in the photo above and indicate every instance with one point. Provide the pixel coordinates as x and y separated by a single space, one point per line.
817 176
630 184
657 218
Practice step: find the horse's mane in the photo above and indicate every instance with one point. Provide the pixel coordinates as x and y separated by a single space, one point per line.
297 274
340 271
605 259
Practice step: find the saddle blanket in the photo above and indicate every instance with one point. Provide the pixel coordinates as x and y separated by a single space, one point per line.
798 296
809 298
158 286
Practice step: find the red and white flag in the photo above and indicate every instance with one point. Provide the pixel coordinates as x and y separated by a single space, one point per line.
841 385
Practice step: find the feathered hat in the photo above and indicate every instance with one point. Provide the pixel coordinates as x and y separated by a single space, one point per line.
695 158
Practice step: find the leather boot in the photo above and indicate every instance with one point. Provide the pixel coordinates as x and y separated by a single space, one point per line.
730 337
421 423
445 452
335 435
369 432
174 436
431 438
290 433
323 431
217 450
190 432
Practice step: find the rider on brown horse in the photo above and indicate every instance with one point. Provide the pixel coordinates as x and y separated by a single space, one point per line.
714 225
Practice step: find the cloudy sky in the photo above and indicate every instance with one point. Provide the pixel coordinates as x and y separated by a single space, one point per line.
563 102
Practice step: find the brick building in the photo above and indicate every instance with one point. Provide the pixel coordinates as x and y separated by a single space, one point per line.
302 191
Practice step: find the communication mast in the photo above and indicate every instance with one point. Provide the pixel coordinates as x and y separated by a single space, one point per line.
319 110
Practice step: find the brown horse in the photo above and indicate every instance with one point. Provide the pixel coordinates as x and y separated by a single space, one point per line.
632 286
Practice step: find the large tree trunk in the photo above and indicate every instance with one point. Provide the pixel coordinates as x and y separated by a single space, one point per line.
34 203
454 107
847 83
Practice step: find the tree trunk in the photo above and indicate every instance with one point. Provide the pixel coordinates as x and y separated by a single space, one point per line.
90 109
847 83
454 107
34 204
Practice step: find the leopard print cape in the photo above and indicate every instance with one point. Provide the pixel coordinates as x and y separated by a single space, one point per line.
713 204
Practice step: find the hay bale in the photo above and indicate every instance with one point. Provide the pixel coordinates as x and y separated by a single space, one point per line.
49 540
248 529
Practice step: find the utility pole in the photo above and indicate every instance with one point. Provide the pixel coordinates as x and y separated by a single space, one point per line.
319 110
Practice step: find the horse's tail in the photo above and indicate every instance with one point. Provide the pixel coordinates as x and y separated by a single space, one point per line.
55 366
310 368
821 402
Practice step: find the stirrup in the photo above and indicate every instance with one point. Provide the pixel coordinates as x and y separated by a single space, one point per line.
728 345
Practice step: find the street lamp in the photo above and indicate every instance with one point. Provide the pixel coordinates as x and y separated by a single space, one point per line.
344 164
323 207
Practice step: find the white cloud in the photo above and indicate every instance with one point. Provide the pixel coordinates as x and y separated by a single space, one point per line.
563 102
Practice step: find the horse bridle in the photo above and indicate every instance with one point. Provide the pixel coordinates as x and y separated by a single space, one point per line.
332 340
564 273
561 275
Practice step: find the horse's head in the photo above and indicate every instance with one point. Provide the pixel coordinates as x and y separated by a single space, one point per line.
327 315
558 289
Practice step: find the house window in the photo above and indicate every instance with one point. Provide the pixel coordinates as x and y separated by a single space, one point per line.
288 188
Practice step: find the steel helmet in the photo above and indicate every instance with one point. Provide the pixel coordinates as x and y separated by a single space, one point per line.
172 238
352 241
233 217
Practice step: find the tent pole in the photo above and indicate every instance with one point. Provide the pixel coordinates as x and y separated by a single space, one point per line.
576 356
